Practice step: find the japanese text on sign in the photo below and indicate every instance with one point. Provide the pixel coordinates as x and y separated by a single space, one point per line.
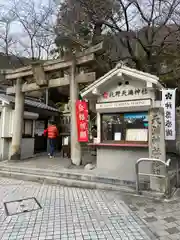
125 92
168 102
156 139
82 120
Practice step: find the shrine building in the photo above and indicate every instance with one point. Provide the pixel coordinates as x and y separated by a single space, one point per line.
122 100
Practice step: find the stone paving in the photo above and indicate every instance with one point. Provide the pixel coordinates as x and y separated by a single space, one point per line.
69 214
162 217
58 163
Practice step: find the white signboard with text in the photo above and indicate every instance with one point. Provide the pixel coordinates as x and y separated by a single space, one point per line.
169 105
111 105
125 93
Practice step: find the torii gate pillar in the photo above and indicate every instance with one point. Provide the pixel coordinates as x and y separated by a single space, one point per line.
17 122
75 145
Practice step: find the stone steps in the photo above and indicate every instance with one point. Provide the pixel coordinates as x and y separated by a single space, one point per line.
64 181
74 179
67 175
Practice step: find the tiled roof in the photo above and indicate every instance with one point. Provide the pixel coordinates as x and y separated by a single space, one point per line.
28 102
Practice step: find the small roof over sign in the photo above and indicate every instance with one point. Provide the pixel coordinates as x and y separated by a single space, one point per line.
121 70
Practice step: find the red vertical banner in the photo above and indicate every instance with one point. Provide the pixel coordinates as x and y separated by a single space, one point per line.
82 120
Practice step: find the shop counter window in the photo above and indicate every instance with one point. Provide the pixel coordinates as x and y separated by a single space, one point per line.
124 127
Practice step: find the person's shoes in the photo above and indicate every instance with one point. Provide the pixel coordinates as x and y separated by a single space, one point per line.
48 154
51 156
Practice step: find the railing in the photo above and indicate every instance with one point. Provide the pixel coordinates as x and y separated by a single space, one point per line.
166 176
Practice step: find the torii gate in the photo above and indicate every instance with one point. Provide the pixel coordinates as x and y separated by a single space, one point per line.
38 76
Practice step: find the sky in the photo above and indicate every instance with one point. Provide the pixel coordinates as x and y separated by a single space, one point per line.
17 32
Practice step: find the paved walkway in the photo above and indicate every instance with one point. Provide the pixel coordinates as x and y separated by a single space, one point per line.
43 162
72 213
162 217
60 164
67 213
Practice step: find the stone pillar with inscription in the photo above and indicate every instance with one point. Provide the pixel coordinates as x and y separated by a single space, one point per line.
157 148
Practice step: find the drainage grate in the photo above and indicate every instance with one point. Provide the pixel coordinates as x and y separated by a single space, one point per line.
21 206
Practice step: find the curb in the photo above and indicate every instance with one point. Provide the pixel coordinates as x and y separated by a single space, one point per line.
80 180
65 174
65 182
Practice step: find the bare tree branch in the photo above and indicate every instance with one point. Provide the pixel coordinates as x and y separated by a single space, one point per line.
36 27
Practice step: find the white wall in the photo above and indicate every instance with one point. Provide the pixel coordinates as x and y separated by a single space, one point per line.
27 144
6 131
27 148
7 121
120 161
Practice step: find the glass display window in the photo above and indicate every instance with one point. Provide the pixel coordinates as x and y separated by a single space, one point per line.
124 127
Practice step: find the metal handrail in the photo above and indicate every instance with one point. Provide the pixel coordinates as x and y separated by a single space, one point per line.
166 176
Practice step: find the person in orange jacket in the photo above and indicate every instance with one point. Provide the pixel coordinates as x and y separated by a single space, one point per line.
52 133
